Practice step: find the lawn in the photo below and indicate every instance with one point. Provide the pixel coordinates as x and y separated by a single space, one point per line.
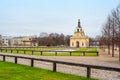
11 71
88 53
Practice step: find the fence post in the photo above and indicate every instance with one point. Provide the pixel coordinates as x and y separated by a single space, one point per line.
11 50
70 53
24 51
97 53
32 52
55 53
17 51
15 60
83 53
3 57
32 62
88 72
41 53
54 66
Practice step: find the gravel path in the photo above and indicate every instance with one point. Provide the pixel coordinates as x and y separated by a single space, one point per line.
102 60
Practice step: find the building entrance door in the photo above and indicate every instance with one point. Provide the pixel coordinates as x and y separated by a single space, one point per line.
77 44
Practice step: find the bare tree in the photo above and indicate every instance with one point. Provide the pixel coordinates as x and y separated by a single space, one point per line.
118 23
53 39
111 31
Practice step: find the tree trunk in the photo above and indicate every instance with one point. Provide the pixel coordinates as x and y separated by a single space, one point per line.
108 48
119 51
112 47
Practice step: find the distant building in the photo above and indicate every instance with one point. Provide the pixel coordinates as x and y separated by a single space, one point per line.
6 40
0 40
79 39
24 41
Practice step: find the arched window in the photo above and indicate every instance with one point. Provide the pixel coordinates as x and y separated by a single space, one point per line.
82 44
77 30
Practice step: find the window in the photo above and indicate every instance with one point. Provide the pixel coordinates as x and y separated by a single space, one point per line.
82 44
30 39
77 30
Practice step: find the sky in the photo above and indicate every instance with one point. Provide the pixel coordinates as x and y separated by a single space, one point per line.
31 17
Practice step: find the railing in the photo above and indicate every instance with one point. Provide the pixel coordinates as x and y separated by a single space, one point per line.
23 47
54 51
54 62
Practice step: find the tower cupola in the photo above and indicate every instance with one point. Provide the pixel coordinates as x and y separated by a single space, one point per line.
78 28
79 23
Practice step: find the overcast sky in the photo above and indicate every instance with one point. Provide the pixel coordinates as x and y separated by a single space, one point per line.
31 17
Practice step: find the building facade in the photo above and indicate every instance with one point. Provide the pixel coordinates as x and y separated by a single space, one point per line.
6 40
79 39
0 40
24 41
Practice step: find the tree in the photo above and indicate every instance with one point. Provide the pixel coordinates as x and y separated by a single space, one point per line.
111 31
53 39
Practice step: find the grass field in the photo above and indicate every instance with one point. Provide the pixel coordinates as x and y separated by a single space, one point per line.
11 71
58 54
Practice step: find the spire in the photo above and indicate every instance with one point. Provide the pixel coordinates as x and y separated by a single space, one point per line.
79 23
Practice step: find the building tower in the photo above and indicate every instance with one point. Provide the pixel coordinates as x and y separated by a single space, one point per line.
79 39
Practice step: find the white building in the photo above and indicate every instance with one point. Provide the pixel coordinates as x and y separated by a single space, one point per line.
79 39
6 40
0 40
24 41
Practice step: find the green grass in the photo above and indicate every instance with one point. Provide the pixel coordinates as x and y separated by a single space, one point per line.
93 49
91 54
83 49
61 54
53 53
11 71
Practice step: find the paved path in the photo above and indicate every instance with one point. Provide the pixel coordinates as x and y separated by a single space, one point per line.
103 59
